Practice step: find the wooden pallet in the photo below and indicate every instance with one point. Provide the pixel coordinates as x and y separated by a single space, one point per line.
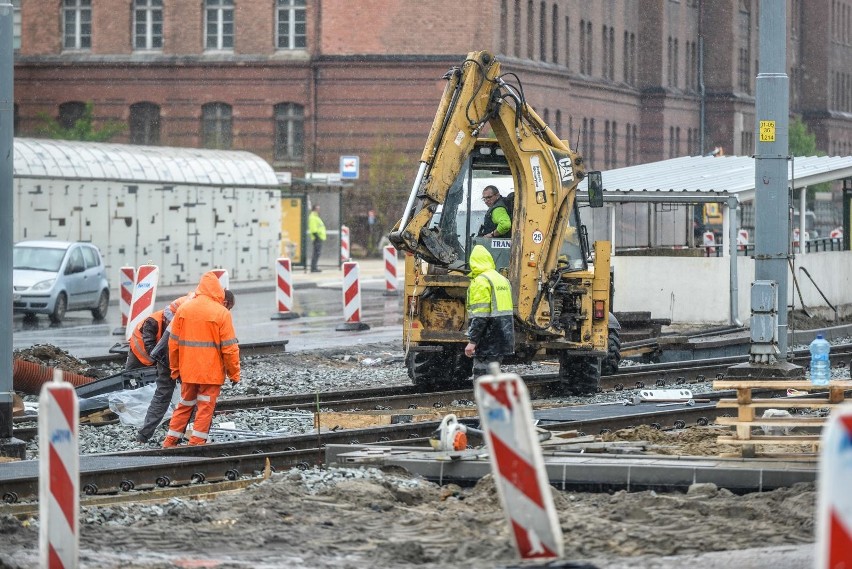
826 397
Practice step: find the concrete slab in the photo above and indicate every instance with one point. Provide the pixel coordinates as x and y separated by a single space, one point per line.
573 470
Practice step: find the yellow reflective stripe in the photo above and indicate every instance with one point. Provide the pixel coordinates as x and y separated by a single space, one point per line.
480 305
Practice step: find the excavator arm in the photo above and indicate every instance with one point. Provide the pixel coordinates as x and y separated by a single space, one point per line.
465 107
545 172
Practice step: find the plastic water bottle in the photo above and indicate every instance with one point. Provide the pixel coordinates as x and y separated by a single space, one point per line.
820 366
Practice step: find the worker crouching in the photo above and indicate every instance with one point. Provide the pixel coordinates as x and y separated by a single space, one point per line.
203 351
491 328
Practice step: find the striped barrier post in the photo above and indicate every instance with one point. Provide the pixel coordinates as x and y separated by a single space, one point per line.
126 282
224 279
144 296
344 244
351 299
517 465
284 290
391 280
834 501
710 243
59 475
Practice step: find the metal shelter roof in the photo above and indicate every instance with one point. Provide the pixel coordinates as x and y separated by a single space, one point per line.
44 158
726 175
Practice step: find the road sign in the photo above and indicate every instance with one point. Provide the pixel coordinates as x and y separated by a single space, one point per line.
349 167
518 466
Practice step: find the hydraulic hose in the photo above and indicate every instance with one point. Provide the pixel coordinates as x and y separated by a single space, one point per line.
28 377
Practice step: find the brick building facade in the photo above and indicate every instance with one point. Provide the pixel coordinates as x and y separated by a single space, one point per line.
302 82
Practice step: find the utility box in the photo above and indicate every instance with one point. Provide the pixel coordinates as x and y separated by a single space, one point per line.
764 312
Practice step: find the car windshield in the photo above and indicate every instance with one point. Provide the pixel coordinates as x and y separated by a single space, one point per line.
37 258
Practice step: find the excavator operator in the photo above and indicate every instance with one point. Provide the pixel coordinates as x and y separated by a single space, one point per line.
497 221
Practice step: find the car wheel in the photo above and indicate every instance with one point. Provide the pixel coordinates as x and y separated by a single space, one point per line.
99 312
59 308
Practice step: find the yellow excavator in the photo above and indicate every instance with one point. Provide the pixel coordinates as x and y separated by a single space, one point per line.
485 134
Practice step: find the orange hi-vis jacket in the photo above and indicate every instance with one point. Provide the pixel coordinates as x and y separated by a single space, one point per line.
146 336
203 346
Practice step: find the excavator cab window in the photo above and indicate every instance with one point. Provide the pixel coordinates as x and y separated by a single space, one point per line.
595 187
459 218
574 253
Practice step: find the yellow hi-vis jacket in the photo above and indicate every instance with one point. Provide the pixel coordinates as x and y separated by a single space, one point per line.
489 307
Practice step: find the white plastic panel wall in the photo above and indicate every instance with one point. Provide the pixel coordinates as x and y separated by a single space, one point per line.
186 230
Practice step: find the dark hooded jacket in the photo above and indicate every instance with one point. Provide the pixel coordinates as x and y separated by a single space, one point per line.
489 307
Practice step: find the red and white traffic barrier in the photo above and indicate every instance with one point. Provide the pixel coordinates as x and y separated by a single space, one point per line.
836 233
391 280
517 465
351 298
224 278
834 503
283 290
742 239
59 475
710 242
144 296
344 244
126 282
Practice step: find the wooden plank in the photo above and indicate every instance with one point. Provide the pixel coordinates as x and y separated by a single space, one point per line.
780 384
770 440
775 421
779 402
362 419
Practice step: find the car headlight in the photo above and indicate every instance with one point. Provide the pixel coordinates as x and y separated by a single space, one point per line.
43 285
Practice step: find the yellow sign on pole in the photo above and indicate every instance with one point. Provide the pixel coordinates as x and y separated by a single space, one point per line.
767 131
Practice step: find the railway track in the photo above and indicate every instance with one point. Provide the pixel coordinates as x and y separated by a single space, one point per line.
129 471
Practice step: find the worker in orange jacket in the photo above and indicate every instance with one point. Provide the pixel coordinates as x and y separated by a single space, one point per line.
203 350
142 341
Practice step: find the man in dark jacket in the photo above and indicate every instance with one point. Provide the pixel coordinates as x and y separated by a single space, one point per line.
491 328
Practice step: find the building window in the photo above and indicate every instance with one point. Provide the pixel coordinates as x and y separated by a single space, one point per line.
567 43
70 113
589 54
504 26
16 24
606 145
148 24
554 32
16 120
292 24
613 146
219 24
216 125
77 23
591 142
628 146
289 131
557 125
744 53
583 55
517 28
530 29
542 32
144 123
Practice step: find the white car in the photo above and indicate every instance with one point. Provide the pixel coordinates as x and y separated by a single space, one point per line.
52 277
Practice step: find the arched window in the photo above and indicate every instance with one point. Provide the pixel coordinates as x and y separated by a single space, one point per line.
144 123
70 112
216 125
289 131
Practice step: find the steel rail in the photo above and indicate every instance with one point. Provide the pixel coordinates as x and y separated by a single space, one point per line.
232 460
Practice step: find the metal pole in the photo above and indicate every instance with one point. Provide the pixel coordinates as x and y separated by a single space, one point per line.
733 229
7 116
772 235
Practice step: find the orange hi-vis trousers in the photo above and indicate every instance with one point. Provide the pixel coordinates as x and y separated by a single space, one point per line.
203 396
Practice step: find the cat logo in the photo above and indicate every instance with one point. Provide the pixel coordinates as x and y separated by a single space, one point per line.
566 172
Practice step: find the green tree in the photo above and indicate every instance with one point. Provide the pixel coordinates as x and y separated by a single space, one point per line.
83 128
390 173
802 142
